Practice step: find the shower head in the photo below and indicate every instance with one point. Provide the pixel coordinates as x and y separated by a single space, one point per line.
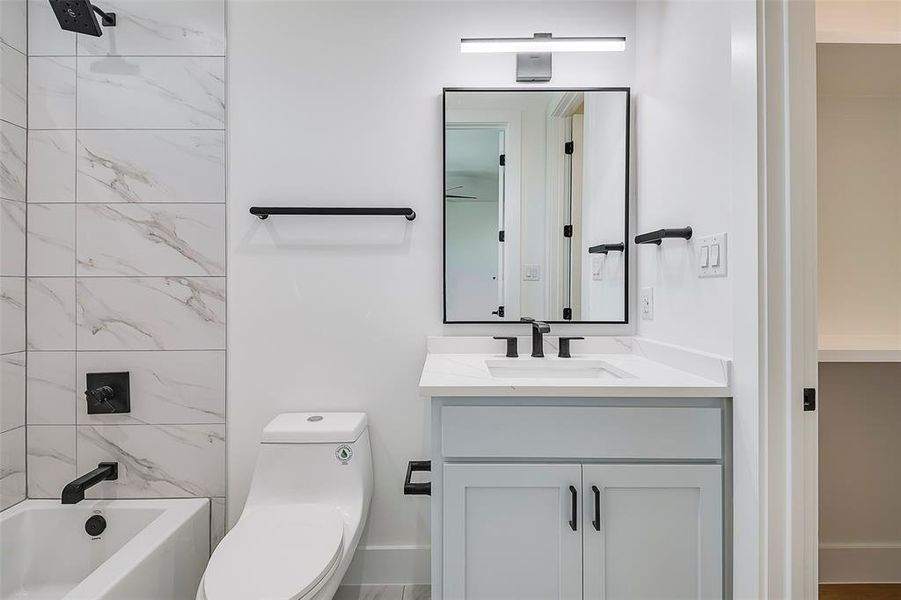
78 16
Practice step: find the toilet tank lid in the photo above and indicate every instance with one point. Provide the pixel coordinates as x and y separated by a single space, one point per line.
310 427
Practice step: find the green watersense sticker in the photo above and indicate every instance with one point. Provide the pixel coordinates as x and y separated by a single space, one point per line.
344 454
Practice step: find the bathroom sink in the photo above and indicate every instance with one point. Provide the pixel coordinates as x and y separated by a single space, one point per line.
570 368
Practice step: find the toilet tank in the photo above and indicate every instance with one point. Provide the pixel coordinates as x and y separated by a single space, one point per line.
314 458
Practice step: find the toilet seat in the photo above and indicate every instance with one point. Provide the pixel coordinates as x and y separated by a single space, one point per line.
276 553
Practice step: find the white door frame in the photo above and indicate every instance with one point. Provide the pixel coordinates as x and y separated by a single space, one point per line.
787 44
511 122
555 191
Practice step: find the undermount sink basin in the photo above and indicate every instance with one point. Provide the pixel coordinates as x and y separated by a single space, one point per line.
569 368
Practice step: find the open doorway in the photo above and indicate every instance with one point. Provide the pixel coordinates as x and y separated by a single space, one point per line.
859 298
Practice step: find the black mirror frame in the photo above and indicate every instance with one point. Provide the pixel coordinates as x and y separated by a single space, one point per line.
626 229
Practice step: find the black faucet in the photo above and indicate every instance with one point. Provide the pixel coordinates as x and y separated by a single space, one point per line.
539 328
73 493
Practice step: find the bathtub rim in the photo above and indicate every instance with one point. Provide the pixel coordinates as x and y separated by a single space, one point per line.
176 512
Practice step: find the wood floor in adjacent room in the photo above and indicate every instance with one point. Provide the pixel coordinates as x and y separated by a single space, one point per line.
861 591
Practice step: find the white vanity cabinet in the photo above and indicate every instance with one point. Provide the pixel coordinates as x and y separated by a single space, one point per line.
652 531
580 498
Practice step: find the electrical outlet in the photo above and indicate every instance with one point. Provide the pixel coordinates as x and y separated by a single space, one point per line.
597 268
531 272
646 303
712 255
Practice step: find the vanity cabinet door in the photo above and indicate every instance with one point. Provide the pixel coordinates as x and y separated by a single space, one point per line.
653 532
512 532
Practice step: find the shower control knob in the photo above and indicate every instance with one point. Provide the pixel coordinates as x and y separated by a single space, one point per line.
100 395
107 393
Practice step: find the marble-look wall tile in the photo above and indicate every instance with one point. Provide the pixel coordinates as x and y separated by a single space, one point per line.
13 144
51 93
166 387
156 460
217 522
151 93
12 467
51 240
151 239
14 24
151 166
12 314
51 166
151 313
45 36
52 394
154 28
12 391
12 238
51 313
13 85
51 460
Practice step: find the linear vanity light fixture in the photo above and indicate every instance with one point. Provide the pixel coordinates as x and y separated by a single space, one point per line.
654 237
605 248
533 55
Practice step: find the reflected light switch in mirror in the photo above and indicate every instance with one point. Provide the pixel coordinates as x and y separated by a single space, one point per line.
531 273
597 268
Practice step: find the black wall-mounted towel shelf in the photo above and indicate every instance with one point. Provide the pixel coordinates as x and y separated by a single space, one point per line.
605 248
263 212
654 237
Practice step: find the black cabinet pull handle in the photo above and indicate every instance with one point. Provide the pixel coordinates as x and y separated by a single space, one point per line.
575 508
597 508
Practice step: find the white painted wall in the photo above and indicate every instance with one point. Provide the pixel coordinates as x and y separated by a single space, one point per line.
859 190
339 103
860 483
683 168
603 206
696 160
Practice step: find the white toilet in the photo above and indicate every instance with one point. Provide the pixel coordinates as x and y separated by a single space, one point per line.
307 505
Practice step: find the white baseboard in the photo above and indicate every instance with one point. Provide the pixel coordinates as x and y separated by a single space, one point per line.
389 565
860 563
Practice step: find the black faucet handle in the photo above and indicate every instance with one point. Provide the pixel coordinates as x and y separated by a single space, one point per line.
564 345
512 345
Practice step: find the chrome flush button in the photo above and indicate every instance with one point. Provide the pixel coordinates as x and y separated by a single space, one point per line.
344 454
314 418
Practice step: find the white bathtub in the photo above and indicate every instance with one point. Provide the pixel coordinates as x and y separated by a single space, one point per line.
150 550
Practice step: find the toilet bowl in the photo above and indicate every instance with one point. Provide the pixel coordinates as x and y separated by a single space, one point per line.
306 508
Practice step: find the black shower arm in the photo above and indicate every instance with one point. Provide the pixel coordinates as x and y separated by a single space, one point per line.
108 19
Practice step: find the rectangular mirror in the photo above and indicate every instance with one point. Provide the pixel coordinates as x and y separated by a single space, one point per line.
536 205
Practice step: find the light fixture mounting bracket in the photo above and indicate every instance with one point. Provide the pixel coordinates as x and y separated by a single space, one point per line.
534 67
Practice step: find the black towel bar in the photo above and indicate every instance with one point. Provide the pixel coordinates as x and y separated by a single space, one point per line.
605 248
263 212
654 237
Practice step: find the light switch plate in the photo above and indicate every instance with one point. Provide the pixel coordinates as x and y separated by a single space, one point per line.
531 272
711 255
646 303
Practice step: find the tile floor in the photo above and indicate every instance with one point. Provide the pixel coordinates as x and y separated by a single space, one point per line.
384 592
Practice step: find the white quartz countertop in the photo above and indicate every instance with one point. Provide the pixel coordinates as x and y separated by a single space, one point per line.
449 372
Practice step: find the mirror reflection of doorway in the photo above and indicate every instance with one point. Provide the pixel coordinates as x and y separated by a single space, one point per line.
474 201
